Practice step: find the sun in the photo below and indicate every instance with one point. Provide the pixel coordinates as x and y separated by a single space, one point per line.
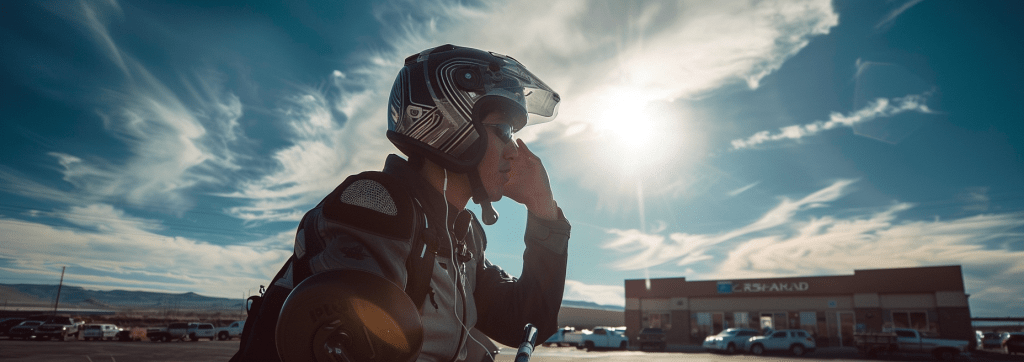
638 135
623 120
627 144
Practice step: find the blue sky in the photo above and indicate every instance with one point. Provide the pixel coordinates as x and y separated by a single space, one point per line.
172 146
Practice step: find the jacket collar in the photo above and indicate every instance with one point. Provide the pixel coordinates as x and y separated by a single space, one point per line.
433 201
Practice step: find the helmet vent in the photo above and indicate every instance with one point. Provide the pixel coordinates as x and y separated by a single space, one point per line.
469 79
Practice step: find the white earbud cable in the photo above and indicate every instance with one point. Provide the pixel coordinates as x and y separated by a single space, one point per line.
451 247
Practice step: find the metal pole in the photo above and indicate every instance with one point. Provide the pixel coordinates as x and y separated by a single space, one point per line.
55 303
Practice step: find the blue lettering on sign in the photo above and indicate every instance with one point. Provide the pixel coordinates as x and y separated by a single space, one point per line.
724 287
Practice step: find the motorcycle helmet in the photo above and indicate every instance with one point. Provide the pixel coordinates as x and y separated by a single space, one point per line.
441 96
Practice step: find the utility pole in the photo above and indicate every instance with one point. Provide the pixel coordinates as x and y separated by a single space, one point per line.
57 302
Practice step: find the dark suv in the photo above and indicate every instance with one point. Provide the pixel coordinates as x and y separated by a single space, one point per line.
7 323
652 337
1014 343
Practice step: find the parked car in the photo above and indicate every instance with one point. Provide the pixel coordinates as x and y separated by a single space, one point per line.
7 323
60 327
131 334
730 340
796 341
24 330
599 338
173 332
157 334
1013 343
652 337
201 330
558 339
231 331
990 340
908 341
100 332
177 331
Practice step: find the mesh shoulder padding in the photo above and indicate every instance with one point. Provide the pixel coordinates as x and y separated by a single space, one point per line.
369 194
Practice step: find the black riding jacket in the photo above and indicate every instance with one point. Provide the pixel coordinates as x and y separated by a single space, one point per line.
368 225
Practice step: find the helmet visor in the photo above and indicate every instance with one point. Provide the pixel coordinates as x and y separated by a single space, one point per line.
518 84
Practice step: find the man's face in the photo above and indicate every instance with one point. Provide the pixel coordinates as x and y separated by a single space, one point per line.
496 165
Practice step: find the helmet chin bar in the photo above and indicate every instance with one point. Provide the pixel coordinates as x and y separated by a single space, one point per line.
480 197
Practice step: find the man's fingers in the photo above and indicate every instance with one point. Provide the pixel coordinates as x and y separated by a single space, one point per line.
524 149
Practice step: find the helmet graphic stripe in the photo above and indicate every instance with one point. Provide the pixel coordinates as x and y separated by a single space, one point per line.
457 140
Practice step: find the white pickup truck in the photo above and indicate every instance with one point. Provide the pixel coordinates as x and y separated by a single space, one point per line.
901 340
599 338
231 331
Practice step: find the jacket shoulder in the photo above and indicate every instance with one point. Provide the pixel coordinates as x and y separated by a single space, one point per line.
373 202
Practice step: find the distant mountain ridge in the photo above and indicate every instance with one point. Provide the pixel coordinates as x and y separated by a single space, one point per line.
590 305
39 294
35 294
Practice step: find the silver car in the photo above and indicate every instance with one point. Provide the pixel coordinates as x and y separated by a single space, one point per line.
730 340
797 341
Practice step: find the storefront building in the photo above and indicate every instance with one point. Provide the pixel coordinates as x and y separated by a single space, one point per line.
832 308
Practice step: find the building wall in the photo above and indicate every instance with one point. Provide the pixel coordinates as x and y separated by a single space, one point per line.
585 318
831 307
768 303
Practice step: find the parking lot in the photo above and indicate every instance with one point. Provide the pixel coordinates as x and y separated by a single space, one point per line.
221 351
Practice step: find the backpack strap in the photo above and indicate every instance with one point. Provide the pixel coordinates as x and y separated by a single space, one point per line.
313 246
419 265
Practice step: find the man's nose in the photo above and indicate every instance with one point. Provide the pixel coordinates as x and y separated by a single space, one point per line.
511 150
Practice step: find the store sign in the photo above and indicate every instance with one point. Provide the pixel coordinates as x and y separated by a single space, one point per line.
768 287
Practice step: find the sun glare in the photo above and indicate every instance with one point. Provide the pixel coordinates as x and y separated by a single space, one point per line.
623 121
629 140
639 136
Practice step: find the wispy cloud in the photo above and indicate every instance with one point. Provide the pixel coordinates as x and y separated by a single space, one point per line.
600 294
652 249
895 13
323 150
881 107
741 190
169 147
975 199
93 19
169 142
20 184
106 249
781 243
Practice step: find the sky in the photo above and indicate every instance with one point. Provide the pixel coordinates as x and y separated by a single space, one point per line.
173 146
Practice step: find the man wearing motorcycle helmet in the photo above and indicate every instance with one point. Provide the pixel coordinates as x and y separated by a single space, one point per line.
453 112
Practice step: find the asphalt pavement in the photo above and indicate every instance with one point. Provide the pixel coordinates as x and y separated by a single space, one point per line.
221 351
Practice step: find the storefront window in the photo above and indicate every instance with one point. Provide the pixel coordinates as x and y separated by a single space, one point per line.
910 319
809 323
658 320
776 321
741 320
709 324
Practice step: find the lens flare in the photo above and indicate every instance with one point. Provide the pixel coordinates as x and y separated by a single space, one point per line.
380 324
